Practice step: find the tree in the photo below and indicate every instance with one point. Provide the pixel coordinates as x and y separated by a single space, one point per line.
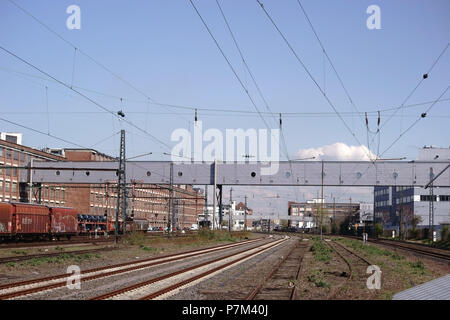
378 229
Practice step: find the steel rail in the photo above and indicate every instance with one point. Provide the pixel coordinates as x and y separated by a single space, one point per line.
204 274
350 275
354 253
170 275
255 291
137 265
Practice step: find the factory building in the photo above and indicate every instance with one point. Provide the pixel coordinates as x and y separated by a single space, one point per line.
407 207
145 201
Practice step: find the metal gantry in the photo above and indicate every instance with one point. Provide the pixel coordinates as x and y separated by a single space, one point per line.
308 173
121 187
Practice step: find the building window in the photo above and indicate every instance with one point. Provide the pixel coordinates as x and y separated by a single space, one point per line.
16 155
7 186
14 172
444 198
427 198
8 154
8 171
14 187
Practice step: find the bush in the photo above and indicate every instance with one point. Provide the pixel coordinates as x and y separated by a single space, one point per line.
445 234
334 228
378 229
136 238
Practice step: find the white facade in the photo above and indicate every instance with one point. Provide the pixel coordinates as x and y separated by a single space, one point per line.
14 137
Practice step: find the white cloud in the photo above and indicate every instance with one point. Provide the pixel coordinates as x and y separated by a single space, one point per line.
337 151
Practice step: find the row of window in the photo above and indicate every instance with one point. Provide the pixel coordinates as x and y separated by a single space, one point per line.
402 188
405 199
9 171
412 198
382 192
14 155
382 203
8 186
435 198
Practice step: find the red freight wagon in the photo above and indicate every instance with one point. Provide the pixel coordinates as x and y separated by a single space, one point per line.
5 220
25 220
64 221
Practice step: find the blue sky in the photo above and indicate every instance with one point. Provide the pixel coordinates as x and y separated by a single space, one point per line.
162 48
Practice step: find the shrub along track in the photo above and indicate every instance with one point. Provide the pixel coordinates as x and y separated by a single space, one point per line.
175 281
24 288
281 282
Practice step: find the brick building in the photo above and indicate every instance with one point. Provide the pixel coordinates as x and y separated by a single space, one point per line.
145 201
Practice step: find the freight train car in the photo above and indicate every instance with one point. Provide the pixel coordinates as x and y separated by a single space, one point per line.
63 222
22 220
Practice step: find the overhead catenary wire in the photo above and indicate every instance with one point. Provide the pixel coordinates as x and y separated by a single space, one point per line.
84 96
255 83
224 110
329 60
424 76
417 85
43 133
422 115
229 63
309 73
76 48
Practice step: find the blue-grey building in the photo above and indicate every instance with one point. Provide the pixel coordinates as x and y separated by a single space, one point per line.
395 204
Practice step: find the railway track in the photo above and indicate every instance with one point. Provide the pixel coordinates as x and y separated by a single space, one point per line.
437 254
84 240
49 255
24 288
161 286
280 283
357 266
418 249
87 240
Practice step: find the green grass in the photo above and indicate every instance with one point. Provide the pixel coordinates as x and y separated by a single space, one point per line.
321 251
22 252
149 249
318 279
417 267
61 258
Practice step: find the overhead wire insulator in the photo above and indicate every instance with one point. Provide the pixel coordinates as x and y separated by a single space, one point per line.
195 117
425 75
423 115
379 117
367 121
281 121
